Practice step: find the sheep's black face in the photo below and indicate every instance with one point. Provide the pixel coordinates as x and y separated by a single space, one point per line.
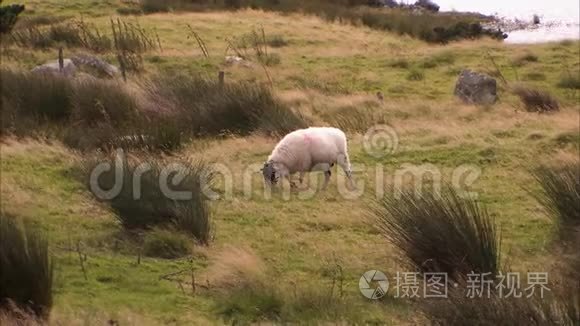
269 173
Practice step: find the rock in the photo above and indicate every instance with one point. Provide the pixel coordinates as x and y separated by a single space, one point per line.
235 60
98 64
476 88
69 68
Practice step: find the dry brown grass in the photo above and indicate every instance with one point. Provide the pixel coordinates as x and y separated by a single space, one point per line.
235 267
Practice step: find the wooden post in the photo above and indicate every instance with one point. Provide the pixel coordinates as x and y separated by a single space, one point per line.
60 60
221 77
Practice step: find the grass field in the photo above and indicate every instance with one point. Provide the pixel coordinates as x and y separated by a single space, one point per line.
290 259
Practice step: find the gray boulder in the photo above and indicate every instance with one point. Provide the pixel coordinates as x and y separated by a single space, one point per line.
476 88
69 68
95 63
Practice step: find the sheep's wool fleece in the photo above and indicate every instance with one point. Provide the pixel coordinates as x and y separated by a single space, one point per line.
302 149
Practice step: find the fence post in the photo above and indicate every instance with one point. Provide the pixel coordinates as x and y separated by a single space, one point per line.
60 60
221 77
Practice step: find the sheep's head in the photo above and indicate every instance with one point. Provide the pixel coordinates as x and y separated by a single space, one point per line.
270 173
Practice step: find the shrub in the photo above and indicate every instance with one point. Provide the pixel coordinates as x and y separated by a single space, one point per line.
150 205
440 233
415 75
51 98
166 243
26 270
569 81
535 100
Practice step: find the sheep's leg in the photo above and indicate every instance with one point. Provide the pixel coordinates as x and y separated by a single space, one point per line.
292 184
301 178
327 175
344 162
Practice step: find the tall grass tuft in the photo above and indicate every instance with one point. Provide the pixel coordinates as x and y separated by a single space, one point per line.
96 101
535 100
39 96
154 201
354 118
457 309
560 195
440 233
74 33
26 270
208 108
569 81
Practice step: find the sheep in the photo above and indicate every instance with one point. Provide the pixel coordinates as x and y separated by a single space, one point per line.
306 150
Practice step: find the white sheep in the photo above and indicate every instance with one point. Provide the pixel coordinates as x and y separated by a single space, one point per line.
306 150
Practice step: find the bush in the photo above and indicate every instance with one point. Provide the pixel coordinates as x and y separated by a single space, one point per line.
51 98
166 243
150 206
440 233
26 270
415 75
535 100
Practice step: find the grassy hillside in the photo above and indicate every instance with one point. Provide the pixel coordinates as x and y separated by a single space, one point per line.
292 259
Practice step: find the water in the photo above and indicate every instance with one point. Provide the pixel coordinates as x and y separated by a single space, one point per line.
559 18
